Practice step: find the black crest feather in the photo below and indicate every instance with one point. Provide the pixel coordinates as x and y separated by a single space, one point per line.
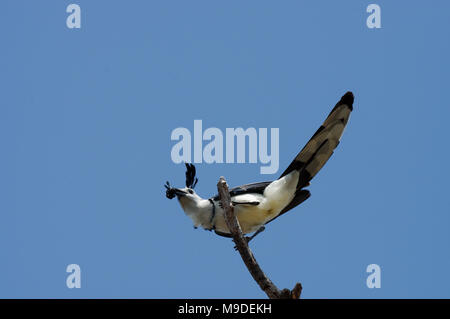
191 180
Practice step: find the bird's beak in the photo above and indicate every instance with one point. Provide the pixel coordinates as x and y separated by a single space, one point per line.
179 192
171 192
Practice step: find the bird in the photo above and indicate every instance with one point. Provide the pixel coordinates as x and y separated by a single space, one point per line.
257 204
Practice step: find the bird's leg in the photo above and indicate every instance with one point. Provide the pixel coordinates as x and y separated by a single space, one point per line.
260 230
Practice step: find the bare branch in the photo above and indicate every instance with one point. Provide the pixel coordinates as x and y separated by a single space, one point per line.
246 254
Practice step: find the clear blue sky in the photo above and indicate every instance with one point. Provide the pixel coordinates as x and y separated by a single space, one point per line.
85 123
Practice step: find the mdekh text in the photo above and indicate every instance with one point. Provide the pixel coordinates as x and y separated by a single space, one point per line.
232 308
242 308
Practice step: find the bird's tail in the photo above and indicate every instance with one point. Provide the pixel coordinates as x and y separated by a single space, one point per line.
323 143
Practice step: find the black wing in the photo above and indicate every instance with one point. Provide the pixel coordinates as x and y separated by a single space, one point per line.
312 157
323 143
257 188
319 149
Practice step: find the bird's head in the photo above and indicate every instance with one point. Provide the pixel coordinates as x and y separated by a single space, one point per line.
186 195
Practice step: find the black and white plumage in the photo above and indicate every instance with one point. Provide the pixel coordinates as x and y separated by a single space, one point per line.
257 204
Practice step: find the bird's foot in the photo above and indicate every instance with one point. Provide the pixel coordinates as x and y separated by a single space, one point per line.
261 229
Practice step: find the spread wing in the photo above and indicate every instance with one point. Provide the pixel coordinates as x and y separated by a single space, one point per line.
312 157
319 149
323 143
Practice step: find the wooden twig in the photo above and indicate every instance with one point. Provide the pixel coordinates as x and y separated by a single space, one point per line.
246 254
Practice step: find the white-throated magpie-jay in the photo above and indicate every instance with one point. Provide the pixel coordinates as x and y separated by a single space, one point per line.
257 204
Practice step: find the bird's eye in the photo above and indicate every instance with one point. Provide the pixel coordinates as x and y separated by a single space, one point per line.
190 191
